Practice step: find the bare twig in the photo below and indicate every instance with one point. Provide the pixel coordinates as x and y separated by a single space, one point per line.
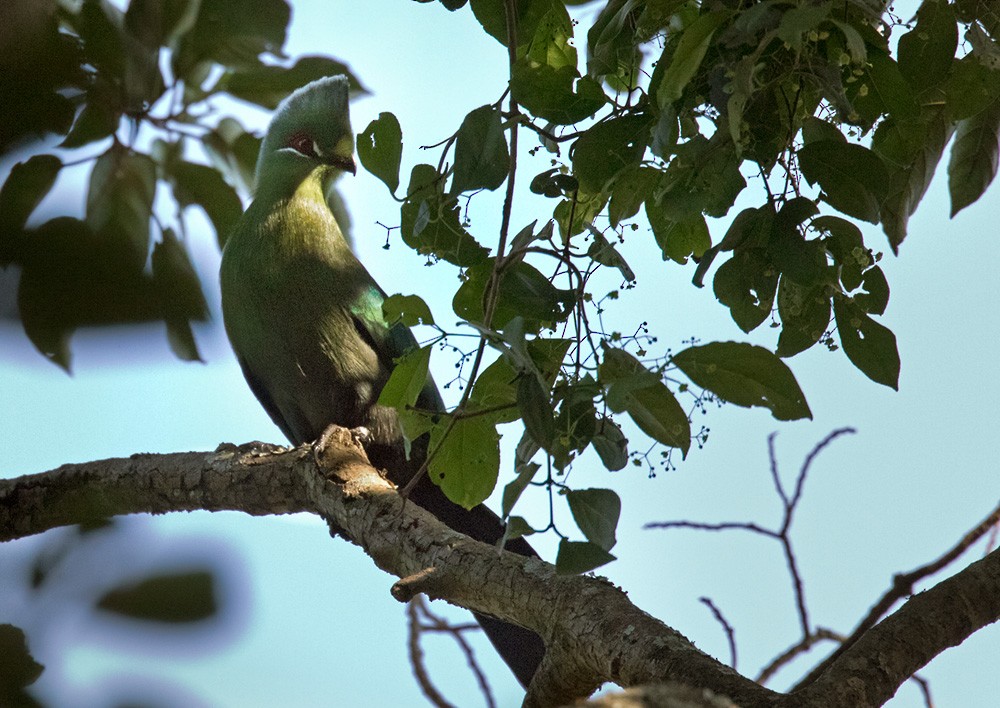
427 686
726 627
902 586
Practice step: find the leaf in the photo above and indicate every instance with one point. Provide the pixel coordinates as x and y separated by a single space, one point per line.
927 51
407 380
576 557
234 152
26 186
98 120
596 512
805 315
536 410
610 444
556 95
467 460
522 292
687 57
746 375
870 346
227 33
481 157
179 292
971 87
495 387
631 188
876 296
882 89
608 147
267 85
411 310
173 597
380 149
852 177
200 185
603 252
678 239
512 492
431 224
973 163
18 667
746 284
632 388
120 201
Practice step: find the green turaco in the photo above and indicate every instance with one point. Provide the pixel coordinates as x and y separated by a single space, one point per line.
305 319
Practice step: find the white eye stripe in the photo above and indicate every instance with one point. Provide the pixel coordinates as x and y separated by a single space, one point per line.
316 150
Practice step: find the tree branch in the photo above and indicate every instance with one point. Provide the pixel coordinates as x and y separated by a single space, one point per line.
592 632
872 669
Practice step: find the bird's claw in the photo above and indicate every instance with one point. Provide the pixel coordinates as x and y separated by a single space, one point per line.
362 434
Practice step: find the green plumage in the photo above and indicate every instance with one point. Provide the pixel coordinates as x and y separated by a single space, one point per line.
305 319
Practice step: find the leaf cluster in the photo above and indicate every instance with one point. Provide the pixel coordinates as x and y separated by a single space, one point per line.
129 93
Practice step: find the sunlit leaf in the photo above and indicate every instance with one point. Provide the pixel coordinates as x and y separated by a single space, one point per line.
467 460
380 149
746 375
407 380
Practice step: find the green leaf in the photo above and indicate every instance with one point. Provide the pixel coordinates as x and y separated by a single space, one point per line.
200 185
517 527
678 239
556 95
179 292
610 444
266 85
227 33
601 251
926 52
882 89
234 152
632 388
495 387
971 87
746 284
797 21
18 667
512 492
746 375
687 57
120 201
596 512
407 380
973 163
852 177
174 598
98 120
380 149
576 557
608 147
467 460
870 346
26 186
631 188
523 292
536 410
481 156
805 315
431 222
876 296
411 310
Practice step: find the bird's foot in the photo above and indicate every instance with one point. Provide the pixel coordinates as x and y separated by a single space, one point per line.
362 434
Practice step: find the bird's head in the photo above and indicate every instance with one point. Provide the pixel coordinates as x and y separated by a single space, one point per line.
311 128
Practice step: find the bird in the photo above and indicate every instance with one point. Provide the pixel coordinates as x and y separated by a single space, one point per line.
304 318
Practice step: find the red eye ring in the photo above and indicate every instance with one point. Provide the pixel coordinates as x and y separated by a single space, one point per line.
303 144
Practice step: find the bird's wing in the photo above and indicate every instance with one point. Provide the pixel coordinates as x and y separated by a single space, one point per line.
264 396
389 342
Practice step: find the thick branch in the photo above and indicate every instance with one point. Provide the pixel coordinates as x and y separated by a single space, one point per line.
870 671
592 632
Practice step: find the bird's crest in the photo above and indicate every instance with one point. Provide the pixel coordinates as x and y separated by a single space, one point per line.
313 120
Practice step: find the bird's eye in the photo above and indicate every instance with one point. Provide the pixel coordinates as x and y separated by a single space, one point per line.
302 144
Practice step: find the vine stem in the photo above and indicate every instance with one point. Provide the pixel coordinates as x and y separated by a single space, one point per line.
492 287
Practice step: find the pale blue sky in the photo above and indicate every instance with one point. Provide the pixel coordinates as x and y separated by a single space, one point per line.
318 626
